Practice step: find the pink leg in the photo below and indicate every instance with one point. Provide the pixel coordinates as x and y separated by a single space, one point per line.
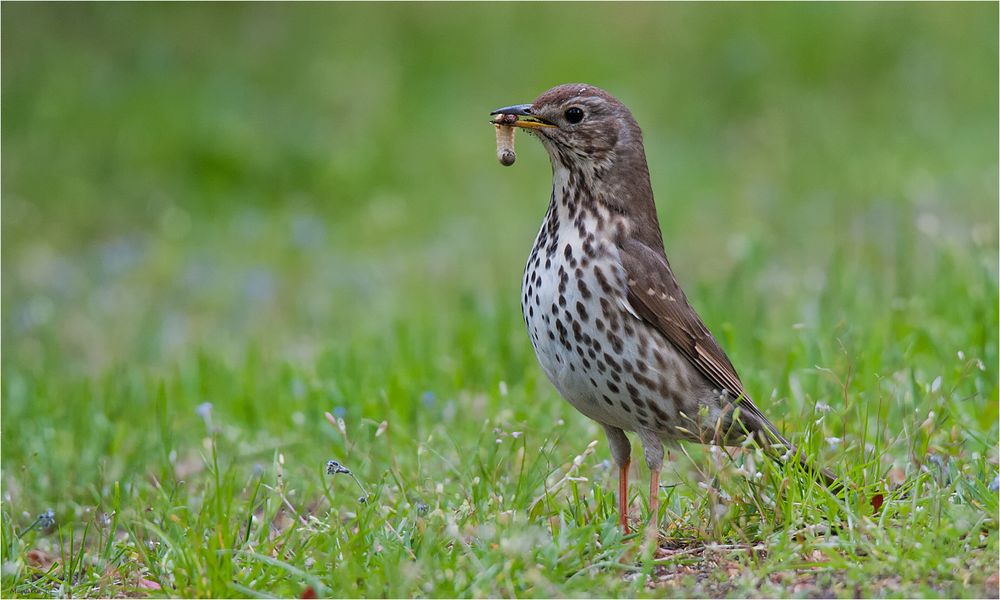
654 498
623 496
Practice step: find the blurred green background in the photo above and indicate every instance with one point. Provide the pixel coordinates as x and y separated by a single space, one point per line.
175 173
286 208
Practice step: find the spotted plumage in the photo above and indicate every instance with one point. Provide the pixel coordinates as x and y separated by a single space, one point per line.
581 275
609 323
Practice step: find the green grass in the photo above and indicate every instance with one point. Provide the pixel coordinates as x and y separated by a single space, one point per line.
222 221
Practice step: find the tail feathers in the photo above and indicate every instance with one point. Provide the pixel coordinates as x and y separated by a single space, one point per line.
790 450
820 474
771 440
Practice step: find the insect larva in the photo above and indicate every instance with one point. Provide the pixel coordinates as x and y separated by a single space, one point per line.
505 119
505 139
505 145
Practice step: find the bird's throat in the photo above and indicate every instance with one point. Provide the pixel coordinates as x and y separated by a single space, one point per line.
613 195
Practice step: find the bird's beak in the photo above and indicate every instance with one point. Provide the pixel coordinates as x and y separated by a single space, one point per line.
525 118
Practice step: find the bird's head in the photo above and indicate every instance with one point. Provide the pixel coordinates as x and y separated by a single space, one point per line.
596 149
580 125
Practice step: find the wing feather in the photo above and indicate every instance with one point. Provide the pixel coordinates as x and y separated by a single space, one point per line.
656 297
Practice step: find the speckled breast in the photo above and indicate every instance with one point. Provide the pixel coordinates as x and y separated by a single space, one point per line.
596 352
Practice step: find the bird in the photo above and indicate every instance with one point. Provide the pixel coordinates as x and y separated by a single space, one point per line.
609 323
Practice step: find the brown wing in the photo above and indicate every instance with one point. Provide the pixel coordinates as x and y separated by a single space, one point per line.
654 294
656 297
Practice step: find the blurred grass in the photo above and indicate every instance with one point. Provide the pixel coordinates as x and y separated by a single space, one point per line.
283 209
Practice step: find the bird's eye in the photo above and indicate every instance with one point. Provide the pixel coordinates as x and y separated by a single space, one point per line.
574 114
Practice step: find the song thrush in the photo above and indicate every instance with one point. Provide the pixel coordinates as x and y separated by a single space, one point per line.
609 323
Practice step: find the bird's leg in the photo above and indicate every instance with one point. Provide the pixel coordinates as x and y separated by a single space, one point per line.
623 495
621 452
652 448
654 497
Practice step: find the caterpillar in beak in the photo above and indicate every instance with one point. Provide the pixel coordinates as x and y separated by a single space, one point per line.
505 139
